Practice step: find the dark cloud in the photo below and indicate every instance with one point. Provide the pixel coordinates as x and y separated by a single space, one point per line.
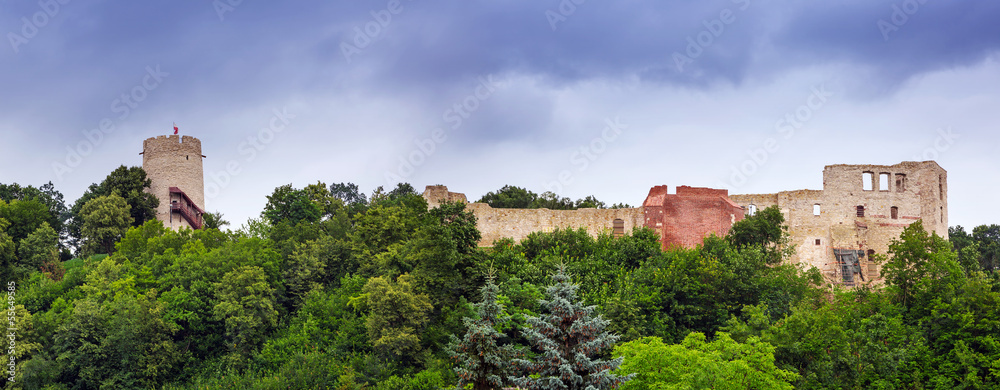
227 74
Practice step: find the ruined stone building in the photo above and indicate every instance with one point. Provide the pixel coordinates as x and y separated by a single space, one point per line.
681 219
859 211
174 165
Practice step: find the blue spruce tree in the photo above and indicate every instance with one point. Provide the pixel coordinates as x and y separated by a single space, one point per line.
480 359
568 339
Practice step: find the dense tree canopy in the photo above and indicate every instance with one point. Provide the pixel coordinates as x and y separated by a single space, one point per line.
129 183
46 194
105 221
333 289
512 197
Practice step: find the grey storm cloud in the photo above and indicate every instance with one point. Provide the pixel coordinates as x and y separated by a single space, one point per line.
384 73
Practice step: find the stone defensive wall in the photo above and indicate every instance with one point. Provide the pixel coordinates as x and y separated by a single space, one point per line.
495 224
681 219
857 214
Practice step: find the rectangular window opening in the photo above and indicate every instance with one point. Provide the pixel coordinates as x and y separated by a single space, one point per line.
861 211
900 182
818 241
752 210
816 209
883 181
940 187
894 212
618 227
866 181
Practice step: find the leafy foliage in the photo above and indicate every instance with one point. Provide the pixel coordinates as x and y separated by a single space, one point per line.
396 316
129 183
699 364
340 292
289 205
512 197
105 221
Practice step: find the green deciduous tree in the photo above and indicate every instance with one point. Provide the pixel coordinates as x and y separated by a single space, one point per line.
549 200
355 200
509 197
25 216
8 253
397 314
765 229
304 271
568 338
916 255
39 249
247 306
130 183
214 220
589 202
988 243
698 364
117 339
46 194
106 219
290 205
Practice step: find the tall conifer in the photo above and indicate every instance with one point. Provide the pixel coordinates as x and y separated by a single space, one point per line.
568 337
480 359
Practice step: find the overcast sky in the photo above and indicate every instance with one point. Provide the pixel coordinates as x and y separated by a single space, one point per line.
579 97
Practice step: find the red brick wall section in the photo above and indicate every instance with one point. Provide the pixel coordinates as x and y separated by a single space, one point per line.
687 217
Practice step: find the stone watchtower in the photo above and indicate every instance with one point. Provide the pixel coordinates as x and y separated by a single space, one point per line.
174 164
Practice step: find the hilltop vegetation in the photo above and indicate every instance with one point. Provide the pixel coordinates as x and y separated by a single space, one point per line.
331 288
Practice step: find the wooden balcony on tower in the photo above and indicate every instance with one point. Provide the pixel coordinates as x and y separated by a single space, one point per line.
186 208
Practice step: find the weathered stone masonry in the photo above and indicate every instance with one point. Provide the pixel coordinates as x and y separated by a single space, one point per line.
174 165
859 211
683 219
861 208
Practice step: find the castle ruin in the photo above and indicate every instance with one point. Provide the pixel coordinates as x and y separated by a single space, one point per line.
680 219
858 213
174 165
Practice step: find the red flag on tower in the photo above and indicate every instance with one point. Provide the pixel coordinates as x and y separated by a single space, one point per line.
175 128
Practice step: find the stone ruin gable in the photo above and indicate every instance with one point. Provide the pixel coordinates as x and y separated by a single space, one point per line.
687 217
435 195
918 189
174 161
494 224
913 191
